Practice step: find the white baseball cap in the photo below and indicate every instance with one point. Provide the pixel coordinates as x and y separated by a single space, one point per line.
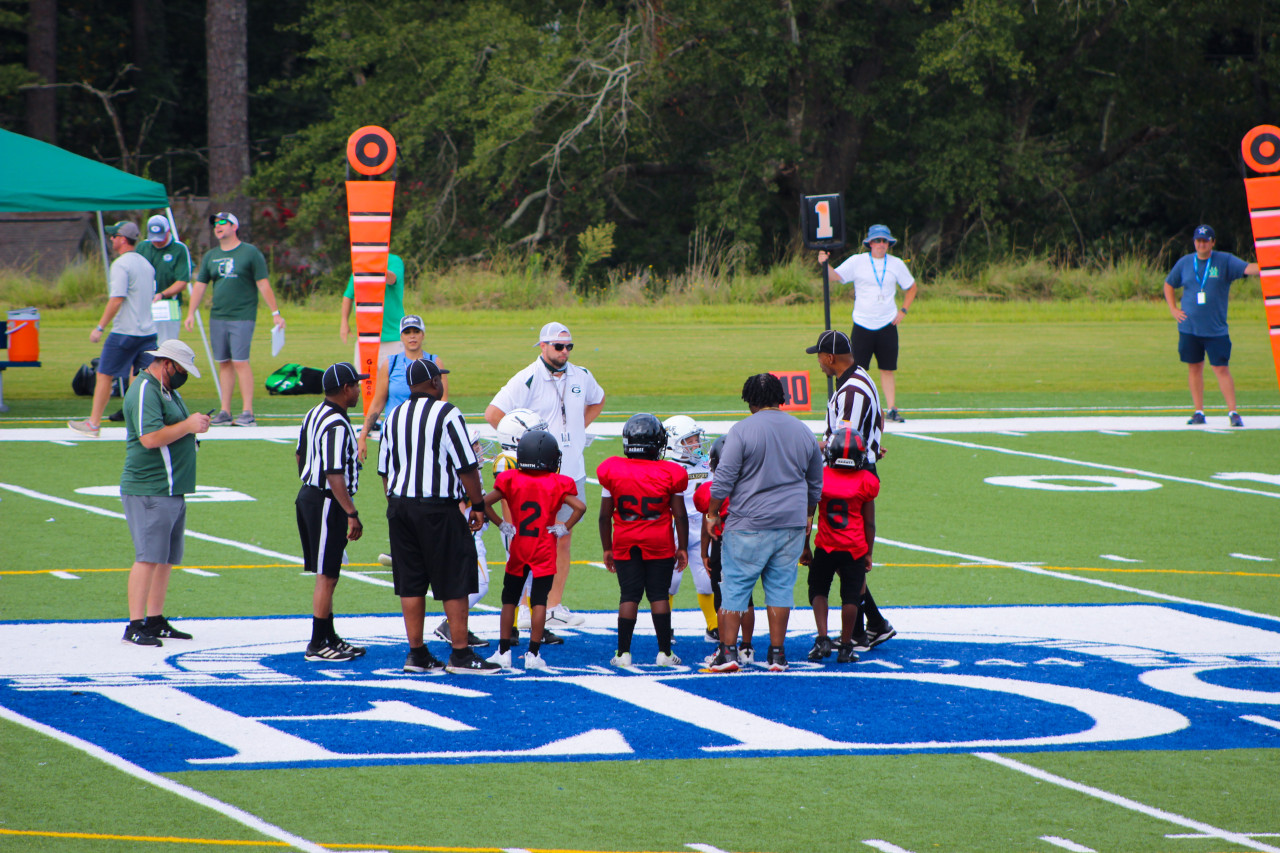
554 332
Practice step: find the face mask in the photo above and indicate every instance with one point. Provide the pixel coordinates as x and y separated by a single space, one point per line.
177 379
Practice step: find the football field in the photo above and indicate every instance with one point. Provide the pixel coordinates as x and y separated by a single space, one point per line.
1087 658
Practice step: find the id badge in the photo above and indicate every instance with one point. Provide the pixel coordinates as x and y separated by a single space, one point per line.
565 440
1200 298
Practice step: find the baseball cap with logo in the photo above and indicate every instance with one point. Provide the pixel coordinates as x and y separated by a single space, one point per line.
411 321
220 216
340 374
179 353
126 229
157 227
555 332
832 342
1204 232
422 370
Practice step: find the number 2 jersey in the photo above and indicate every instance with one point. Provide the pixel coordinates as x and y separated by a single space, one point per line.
534 498
840 510
641 490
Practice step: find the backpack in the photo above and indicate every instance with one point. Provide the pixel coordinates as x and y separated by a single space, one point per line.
295 379
87 377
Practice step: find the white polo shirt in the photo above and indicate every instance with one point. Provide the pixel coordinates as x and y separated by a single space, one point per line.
875 284
561 399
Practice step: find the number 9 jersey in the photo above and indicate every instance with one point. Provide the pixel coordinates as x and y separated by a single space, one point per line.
641 490
840 510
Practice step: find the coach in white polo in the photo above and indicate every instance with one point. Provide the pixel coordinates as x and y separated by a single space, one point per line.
568 398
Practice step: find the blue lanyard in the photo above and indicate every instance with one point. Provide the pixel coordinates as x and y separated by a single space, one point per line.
879 275
1201 276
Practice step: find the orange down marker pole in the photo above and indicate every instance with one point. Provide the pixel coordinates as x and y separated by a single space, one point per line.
370 152
1261 149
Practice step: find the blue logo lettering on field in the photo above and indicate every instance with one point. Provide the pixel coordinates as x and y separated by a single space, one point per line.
991 678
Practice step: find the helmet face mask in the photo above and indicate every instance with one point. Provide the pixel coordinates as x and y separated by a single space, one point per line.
643 437
515 424
846 449
686 440
713 455
538 451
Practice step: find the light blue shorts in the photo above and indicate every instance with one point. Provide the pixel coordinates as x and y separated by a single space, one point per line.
770 556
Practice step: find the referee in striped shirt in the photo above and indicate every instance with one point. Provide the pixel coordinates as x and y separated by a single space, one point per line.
327 516
428 465
855 404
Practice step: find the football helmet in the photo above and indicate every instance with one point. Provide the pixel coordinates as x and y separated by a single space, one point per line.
686 440
846 449
485 448
516 423
643 437
538 451
713 455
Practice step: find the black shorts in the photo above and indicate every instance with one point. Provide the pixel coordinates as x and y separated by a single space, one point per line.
640 577
513 585
431 546
882 343
322 527
826 565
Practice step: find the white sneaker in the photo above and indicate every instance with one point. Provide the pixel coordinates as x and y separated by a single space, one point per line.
532 661
561 615
502 659
746 656
621 659
524 619
385 559
667 660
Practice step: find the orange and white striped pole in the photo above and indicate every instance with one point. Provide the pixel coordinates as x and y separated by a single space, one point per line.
370 152
1261 150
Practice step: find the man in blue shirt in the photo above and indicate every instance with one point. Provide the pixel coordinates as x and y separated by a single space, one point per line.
1205 279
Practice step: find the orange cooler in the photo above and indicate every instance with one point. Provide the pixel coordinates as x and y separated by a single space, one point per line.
24 334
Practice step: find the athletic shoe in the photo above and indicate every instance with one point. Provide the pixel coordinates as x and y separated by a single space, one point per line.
344 646
1235 419
140 638
328 652
550 639
726 660
385 559
895 417
861 642
515 638
222 418
244 419
876 636
746 654
534 662
442 631
712 635
847 654
467 662
524 619
562 615
1197 418
777 660
84 427
162 629
421 660
822 647
502 659
116 417
621 659
667 660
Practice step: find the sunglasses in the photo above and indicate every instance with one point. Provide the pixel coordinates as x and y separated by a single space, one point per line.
562 347
222 222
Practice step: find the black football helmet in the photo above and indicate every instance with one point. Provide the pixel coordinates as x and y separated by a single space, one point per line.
538 451
846 449
713 455
643 437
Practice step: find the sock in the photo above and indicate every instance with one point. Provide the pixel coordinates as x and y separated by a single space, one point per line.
136 624
318 635
869 608
626 627
662 627
776 650
708 604
534 647
504 646
153 620
332 635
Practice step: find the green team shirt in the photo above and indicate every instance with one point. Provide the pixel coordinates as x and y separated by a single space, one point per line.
172 263
233 276
392 299
168 470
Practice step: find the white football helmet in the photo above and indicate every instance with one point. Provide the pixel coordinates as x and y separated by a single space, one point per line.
485 448
516 423
686 440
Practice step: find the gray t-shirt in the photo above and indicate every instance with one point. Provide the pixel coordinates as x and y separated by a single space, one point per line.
771 471
134 279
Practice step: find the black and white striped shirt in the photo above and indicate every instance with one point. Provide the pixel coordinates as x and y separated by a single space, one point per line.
327 445
856 404
424 448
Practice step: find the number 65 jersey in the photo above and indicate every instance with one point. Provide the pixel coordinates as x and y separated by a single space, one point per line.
641 490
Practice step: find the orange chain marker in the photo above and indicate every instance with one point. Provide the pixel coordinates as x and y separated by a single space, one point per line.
370 152
1261 150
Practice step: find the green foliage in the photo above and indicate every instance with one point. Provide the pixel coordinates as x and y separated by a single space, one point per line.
594 245
77 284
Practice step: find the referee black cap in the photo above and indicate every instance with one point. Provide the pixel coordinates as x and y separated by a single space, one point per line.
422 370
340 374
831 342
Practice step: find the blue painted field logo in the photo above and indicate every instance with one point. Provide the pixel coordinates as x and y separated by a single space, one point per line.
998 678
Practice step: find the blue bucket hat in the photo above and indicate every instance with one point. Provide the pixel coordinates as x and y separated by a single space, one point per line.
879 232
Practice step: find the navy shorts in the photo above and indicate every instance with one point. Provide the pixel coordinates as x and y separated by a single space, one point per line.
122 352
1192 349
882 343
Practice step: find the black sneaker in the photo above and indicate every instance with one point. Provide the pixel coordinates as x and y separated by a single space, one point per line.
467 662
421 660
159 627
139 637
329 652
876 636
862 642
713 635
116 417
895 417
847 654
777 659
1197 418
548 638
726 660
822 647
344 646
515 636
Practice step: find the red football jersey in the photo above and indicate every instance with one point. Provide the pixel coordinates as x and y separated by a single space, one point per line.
534 498
702 503
641 490
840 510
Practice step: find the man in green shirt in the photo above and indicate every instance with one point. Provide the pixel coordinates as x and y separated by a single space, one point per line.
159 471
172 262
392 310
238 273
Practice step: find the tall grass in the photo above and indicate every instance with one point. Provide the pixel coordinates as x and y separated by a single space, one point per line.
78 283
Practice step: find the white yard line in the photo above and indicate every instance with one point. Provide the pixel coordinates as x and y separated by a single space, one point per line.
884 846
1126 803
1252 557
1116 558
1067 844
198 797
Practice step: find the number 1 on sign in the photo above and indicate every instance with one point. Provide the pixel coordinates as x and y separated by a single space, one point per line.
824 230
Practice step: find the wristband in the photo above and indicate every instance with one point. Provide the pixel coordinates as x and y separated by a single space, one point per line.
99 329
275 313
355 514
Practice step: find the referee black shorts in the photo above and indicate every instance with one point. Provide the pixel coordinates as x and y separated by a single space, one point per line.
322 527
431 547
827 565
640 577
882 343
